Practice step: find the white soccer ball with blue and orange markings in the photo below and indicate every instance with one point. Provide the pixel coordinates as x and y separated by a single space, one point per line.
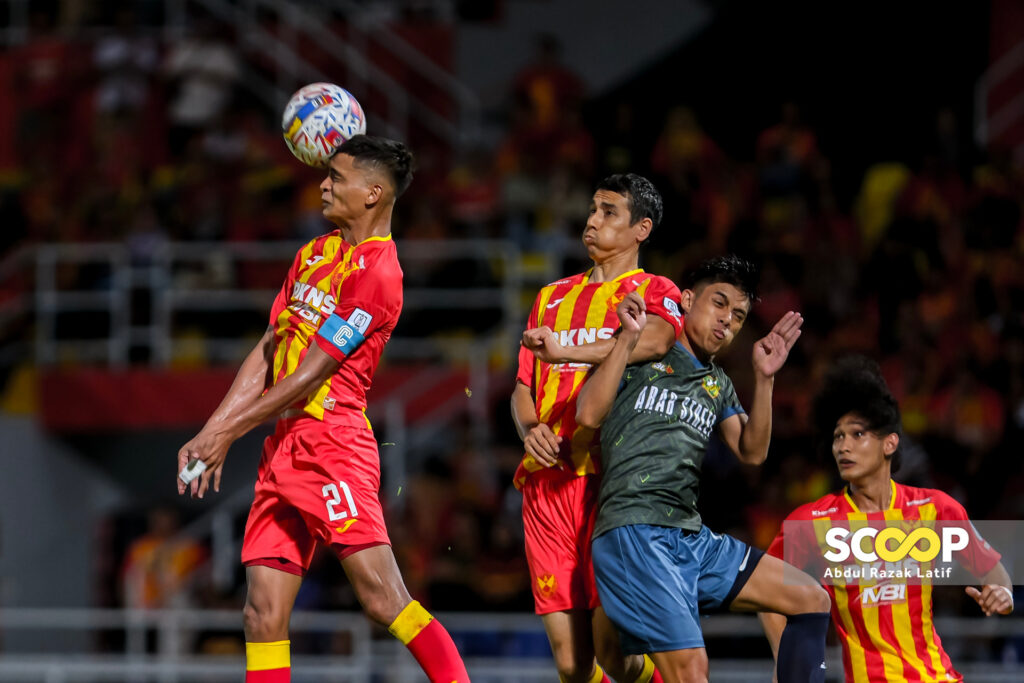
318 119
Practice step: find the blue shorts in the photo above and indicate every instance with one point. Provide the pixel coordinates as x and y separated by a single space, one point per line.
653 580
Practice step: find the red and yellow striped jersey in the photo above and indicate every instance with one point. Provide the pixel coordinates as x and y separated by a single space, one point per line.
886 626
333 284
580 311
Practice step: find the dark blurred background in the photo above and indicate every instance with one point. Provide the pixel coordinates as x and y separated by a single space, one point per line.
867 156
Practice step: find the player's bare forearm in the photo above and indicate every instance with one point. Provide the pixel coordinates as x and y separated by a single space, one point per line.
655 341
756 433
539 442
250 380
598 393
316 367
524 411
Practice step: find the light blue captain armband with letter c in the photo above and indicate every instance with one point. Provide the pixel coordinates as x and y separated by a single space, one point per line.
346 335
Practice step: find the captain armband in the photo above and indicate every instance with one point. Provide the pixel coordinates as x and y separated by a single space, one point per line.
346 335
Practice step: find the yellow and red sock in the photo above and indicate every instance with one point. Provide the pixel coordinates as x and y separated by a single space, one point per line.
599 676
268 662
648 674
430 644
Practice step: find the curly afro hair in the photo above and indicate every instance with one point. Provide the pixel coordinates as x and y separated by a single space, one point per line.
855 385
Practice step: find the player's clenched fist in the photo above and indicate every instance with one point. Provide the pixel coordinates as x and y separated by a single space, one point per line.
632 314
545 344
541 443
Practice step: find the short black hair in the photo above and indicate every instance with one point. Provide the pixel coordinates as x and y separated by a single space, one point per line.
382 154
855 385
643 198
730 269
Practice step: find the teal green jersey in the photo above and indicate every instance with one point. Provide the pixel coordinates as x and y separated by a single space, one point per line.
654 440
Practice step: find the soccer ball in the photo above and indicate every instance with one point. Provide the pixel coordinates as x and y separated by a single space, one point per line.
318 118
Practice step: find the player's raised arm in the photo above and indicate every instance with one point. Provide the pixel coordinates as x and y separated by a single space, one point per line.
748 436
598 393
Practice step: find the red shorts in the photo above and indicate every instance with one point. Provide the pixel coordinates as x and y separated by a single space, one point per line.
316 483
559 509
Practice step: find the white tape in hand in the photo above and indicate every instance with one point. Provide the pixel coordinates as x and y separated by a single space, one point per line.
193 469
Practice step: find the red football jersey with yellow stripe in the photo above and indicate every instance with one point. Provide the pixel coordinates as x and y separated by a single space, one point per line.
886 627
332 285
580 311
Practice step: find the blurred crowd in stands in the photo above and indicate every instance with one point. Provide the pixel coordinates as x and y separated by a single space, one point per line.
123 138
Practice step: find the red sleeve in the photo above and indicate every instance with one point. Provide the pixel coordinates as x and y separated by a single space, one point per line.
527 362
284 295
368 301
978 557
796 542
663 299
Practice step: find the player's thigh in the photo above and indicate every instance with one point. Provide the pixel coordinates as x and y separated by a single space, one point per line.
682 666
275 531
571 641
334 483
776 586
558 519
726 564
377 582
647 578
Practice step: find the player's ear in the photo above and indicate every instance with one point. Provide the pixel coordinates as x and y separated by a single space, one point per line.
643 229
374 193
890 443
686 300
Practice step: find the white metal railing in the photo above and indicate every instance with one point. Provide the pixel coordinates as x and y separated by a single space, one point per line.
370 652
169 295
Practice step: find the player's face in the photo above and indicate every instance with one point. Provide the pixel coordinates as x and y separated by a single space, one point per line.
346 190
859 452
610 229
715 314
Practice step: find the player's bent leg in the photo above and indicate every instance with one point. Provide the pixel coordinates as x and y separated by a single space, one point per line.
608 648
572 646
683 666
775 586
269 598
381 591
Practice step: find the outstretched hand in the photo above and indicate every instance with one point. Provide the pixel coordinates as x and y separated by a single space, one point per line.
771 351
992 598
632 314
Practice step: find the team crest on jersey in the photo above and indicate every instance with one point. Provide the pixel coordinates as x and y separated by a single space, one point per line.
667 369
710 385
547 585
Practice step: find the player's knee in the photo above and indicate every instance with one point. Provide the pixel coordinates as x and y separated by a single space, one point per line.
696 670
381 607
572 671
816 599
